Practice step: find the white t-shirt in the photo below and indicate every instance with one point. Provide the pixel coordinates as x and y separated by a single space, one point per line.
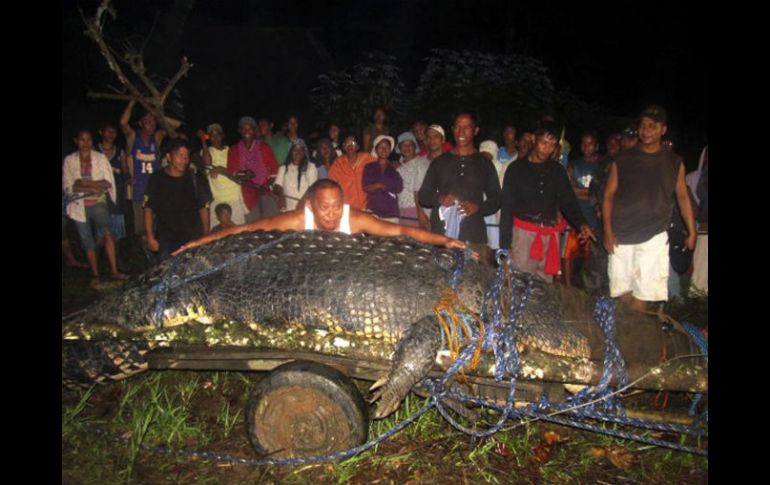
412 173
287 179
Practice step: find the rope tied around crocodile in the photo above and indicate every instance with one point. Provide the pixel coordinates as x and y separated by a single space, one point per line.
166 284
451 313
491 330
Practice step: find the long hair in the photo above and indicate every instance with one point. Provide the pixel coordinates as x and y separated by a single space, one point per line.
303 163
319 160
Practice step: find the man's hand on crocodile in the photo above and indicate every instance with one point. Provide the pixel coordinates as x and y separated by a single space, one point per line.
456 244
195 243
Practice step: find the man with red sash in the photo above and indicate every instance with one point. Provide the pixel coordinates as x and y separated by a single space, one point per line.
535 190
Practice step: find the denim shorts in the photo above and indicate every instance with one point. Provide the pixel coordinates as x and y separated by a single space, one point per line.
97 220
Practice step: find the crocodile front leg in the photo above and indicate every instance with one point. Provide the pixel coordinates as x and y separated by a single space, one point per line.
414 356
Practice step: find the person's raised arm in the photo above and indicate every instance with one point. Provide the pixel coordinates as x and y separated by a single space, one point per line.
125 124
172 122
205 152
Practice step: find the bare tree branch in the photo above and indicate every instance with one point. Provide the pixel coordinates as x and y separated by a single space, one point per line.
118 97
182 72
94 30
136 61
156 99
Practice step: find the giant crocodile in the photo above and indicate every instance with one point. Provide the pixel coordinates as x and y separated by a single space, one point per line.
323 290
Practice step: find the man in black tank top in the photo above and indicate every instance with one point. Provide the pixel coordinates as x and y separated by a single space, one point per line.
643 184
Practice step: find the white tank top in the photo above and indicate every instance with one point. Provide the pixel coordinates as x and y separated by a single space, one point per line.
344 222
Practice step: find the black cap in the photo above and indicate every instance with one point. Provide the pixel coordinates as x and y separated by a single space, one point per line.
631 132
655 113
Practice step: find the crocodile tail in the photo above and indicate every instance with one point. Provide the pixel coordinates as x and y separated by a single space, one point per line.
86 362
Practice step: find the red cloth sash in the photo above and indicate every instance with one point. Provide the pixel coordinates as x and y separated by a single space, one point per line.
536 251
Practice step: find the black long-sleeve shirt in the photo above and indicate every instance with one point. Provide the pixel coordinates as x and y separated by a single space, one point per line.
469 178
536 192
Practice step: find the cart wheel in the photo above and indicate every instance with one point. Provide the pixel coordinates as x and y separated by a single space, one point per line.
304 409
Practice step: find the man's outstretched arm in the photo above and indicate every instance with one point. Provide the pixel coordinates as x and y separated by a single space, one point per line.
286 221
363 222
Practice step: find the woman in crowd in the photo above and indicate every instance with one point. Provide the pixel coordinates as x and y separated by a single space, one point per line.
381 181
87 171
324 157
294 177
348 171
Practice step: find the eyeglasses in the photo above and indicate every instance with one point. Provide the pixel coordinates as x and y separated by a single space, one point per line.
351 144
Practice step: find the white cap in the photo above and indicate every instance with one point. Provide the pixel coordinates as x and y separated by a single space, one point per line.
488 146
438 129
378 140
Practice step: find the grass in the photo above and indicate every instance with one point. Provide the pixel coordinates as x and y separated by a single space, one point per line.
166 408
73 418
227 420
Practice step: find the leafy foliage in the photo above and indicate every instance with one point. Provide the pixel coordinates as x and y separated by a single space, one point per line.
349 97
498 87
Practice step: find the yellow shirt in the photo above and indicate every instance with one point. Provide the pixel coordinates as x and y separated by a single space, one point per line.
222 188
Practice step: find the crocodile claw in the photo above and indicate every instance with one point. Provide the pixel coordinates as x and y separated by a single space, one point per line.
389 400
412 359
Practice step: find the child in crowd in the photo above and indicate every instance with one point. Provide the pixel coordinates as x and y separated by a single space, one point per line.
224 216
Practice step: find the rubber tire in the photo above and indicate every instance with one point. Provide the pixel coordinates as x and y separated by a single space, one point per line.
304 409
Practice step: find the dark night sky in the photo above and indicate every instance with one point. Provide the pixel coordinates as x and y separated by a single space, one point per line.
255 57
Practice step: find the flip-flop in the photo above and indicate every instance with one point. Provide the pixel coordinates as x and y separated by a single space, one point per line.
120 276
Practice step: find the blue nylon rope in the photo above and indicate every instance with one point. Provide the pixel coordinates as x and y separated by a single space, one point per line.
500 337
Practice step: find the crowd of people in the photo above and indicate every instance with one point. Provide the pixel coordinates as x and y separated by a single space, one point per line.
618 204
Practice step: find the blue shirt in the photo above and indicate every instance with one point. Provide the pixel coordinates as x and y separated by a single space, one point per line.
583 172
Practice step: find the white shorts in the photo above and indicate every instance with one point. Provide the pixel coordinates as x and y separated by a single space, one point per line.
641 269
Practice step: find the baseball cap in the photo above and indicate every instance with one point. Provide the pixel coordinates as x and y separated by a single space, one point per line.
247 120
438 129
214 127
655 113
630 132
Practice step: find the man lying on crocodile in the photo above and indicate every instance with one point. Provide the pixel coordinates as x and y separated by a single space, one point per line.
324 210
343 290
